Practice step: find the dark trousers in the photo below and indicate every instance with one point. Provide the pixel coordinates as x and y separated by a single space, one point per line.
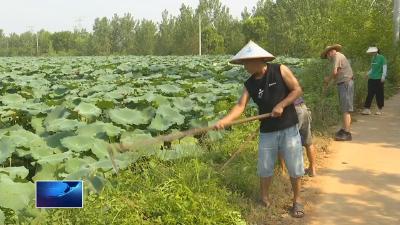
375 88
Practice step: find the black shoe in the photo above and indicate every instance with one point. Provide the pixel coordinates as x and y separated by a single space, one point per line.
344 136
340 132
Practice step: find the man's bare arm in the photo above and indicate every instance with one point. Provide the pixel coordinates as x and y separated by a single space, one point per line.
236 111
295 91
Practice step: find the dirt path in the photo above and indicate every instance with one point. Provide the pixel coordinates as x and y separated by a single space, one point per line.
361 183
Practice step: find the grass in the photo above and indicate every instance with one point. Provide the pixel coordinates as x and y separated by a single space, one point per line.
186 191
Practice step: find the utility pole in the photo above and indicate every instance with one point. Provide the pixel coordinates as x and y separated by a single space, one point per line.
37 44
199 33
37 39
396 21
8 50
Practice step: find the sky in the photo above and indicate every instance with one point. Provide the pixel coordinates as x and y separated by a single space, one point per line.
56 15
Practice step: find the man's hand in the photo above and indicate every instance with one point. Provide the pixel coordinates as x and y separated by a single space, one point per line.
327 79
277 111
383 80
325 90
221 124
235 112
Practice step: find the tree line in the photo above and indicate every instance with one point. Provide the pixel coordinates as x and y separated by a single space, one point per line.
299 28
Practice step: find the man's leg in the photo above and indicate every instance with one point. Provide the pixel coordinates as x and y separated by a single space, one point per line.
380 96
310 149
267 155
265 183
346 94
370 95
282 163
296 186
293 153
304 116
346 121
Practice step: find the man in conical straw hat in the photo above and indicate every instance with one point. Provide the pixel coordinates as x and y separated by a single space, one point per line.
342 75
274 88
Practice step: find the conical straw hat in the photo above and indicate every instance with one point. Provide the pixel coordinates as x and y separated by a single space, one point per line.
251 51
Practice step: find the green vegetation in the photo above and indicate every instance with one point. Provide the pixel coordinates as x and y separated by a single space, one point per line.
58 114
183 191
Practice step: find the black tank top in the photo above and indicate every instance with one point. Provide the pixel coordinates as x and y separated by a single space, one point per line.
267 92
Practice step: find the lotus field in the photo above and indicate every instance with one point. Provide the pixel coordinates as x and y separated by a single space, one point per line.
58 115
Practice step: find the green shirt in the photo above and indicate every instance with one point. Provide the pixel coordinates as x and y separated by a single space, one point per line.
377 67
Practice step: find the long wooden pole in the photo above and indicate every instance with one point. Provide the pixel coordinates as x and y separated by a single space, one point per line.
170 137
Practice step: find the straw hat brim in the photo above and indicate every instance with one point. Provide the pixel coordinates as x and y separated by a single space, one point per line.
244 60
251 51
337 47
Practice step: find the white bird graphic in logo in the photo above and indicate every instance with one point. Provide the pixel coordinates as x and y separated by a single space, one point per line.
260 93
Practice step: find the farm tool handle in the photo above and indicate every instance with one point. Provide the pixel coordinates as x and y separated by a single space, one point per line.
195 131
170 137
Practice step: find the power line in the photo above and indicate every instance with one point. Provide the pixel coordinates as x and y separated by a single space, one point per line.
78 23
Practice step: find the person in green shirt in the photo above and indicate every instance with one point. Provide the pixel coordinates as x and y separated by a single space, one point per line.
376 80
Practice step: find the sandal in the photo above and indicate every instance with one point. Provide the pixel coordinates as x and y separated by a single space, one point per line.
308 172
266 204
298 210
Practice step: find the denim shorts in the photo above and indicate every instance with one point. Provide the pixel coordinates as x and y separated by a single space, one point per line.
304 115
286 142
346 95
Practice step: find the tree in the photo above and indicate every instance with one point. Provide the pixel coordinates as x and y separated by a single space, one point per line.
3 44
185 35
234 38
303 28
128 24
165 35
213 43
81 42
245 14
45 43
256 28
285 27
26 44
145 37
396 21
220 26
63 42
101 38
116 35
